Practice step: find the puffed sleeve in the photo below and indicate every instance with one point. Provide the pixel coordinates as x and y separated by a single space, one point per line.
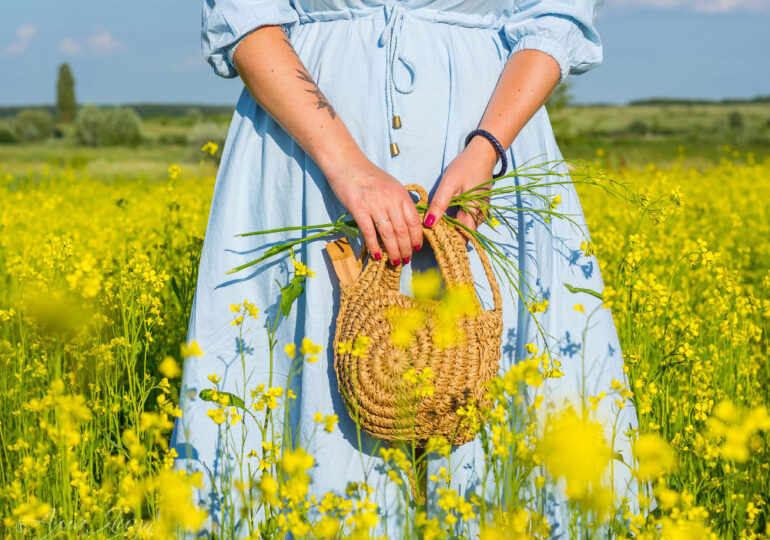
226 22
563 29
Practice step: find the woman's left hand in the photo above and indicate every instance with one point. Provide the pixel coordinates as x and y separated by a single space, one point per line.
473 166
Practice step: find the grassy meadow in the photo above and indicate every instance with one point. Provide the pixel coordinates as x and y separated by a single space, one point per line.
99 250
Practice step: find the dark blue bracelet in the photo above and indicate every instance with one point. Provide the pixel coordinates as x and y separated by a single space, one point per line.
498 148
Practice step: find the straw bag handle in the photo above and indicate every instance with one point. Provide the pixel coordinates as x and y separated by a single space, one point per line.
430 234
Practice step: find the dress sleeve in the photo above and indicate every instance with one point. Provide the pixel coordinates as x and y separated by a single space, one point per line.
226 22
563 29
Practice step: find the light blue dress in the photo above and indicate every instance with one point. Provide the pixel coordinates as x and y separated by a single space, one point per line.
434 63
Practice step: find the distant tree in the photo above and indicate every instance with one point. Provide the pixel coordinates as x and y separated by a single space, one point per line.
8 133
115 126
735 119
33 125
65 95
638 127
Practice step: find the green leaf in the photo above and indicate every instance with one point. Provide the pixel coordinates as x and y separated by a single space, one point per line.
572 289
207 394
290 293
175 288
275 250
347 229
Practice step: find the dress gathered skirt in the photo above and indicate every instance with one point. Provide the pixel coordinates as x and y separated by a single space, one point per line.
435 64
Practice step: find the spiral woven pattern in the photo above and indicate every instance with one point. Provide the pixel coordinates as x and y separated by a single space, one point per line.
373 387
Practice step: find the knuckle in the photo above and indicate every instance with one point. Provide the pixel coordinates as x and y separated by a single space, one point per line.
401 230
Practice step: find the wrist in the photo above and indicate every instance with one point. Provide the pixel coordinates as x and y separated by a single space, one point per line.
483 152
339 160
346 167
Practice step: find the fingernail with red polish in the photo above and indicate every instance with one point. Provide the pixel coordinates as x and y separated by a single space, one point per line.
406 260
430 220
396 262
417 248
377 256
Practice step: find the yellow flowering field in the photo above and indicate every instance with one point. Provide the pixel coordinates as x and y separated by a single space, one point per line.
98 274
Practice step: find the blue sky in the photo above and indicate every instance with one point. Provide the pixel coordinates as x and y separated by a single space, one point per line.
149 51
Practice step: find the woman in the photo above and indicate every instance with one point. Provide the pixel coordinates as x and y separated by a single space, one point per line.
345 102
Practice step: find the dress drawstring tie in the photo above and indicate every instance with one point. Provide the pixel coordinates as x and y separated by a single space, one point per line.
391 38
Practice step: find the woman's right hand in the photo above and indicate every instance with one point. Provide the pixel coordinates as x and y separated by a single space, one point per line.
382 206
278 81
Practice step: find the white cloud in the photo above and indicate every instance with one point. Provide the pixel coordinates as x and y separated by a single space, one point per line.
704 6
70 47
24 35
100 43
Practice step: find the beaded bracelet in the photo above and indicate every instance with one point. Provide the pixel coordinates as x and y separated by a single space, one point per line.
498 148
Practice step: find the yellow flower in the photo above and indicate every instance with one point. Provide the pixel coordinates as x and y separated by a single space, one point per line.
426 285
190 349
575 449
308 347
290 350
210 147
579 307
594 400
404 324
234 416
294 461
329 422
328 527
251 309
655 456
538 307
214 378
169 368
217 415
176 508
300 268
268 488
174 171
360 346
438 444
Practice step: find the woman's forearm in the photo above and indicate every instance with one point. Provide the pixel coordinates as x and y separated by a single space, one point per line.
271 70
381 206
527 81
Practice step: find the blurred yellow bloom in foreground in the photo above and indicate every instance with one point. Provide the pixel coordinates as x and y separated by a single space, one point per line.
575 449
190 349
655 456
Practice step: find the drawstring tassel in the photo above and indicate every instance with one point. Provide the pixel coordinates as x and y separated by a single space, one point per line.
390 38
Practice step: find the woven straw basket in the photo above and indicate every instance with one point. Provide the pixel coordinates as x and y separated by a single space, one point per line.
373 387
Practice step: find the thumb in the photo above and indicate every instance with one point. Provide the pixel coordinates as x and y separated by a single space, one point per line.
439 203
